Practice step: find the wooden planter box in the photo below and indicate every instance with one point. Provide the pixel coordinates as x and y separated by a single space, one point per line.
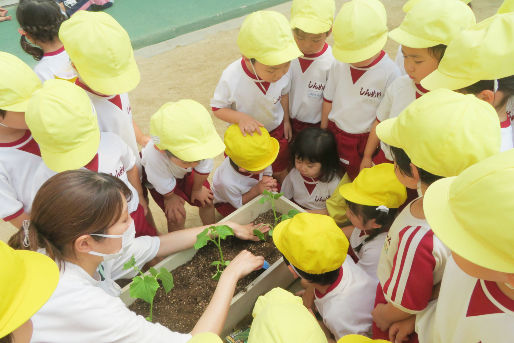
277 274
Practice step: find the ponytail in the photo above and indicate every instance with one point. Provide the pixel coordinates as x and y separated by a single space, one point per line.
35 51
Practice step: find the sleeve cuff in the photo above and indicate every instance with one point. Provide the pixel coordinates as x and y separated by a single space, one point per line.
12 216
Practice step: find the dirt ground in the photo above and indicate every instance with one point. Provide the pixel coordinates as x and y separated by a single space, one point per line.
192 71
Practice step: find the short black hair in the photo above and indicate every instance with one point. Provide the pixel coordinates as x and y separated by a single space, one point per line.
317 145
478 87
506 86
323 279
403 162
437 51
2 113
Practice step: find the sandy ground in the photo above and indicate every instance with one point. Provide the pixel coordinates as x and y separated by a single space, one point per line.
192 71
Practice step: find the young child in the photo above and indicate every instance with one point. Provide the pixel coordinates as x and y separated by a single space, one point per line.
423 34
316 249
253 91
40 21
179 159
65 126
358 80
280 317
246 171
315 174
311 22
19 153
472 215
427 141
101 52
373 199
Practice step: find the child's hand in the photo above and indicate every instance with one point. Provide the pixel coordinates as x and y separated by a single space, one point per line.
245 232
366 163
379 318
174 209
248 125
203 195
268 183
288 131
243 264
400 331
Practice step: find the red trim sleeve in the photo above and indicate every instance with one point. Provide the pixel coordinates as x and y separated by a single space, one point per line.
325 99
197 172
15 215
214 108
505 124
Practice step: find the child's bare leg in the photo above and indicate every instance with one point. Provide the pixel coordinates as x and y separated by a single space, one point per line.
174 225
207 214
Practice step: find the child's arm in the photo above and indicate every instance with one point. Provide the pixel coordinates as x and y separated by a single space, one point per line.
267 183
386 314
400 331
141 138
288 131
199 192
135 181
371 146
325 110
246 123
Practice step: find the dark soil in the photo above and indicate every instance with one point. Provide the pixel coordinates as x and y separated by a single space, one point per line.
180 309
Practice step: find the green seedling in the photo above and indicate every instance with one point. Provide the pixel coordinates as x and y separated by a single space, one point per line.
145 286
258 233
271 197
215 234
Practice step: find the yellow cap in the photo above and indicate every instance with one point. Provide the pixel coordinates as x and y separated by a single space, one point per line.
101 51
313 16
267 37
472 213
360 339
360 30
506 7
27 280
252 153
433 22
311 242
64 124
205 337
411 3
444 132
17 84
185 129
336 205
280 317
482 52
376 186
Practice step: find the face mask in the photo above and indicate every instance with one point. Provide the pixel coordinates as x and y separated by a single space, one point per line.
126 241
418 188
1 124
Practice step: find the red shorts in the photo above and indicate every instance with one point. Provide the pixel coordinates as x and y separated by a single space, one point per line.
379 334
298 126
183 188
143 227
282 161
224 208
350 147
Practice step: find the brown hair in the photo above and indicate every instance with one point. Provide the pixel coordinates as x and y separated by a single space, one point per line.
69 205
437 51
3 113
7 339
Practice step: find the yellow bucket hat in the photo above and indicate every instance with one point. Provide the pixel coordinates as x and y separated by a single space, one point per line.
444 132
267 37
482 52
433 22
185 129
313 16
360 339
252 153
411 3
376 186
360 30
64 124
280 317
311 242
472 213
101 51
27 281
506 7
17 84
205 337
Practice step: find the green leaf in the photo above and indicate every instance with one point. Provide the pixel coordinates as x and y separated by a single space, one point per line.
130 263
270 232
144 288
267 193
166 279
277 195
202 239
227 263
259 234
292 213
263 200
217 275
153 271
216 263
223 231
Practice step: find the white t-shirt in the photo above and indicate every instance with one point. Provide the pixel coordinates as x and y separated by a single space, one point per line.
307 192
468 310
399 61
347 305
162 173
84 309
369 253
506 131
397 97
19 180
229 185
55 65
355 93
115 115
239 90
411 263
309 75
